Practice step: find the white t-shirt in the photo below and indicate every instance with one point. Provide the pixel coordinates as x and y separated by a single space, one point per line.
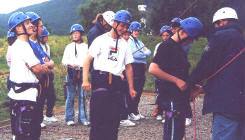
22 54
69 54
155 51
105 56
47 51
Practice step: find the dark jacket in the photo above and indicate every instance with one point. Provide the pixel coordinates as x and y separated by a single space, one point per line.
224 92
94 32
171 58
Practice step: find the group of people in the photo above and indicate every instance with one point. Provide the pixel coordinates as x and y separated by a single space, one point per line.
116 59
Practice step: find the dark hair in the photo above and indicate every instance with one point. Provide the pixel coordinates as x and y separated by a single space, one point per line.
11 40
174 24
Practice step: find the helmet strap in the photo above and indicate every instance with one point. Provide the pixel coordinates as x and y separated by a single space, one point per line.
25 32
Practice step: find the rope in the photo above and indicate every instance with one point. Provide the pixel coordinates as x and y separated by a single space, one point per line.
155 37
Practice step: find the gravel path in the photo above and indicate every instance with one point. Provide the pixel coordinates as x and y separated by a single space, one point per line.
146 129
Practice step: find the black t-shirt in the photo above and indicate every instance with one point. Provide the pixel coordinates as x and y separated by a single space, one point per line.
171 58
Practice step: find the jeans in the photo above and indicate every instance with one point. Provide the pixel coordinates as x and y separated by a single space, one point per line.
69 105
226 128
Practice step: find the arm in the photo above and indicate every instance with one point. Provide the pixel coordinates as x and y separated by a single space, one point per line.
159 73
129 74
86 84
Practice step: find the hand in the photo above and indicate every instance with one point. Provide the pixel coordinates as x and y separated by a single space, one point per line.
122 76
132 93
75 66
86 85
195 91
181 84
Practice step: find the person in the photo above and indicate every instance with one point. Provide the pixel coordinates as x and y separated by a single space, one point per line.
165 33
50 96
34 41
225 95
25 69
103 24
111 56
124 120
11 37
74 55
175 26
171 66
140 53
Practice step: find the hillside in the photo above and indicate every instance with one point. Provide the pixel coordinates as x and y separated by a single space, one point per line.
59 15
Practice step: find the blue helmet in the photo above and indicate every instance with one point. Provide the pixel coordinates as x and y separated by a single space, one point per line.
16 19
192 26
165 28
33 16
10 34
176 20
45 32
135 26
123 16
76 27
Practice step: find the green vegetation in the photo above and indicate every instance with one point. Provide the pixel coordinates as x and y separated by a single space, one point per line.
58 15
57 44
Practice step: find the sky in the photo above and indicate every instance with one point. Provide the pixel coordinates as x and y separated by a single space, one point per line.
7 6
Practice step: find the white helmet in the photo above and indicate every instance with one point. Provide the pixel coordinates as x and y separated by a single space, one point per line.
109 17
225 13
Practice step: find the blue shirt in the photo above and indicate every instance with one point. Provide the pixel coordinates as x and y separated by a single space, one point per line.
137 48
39 52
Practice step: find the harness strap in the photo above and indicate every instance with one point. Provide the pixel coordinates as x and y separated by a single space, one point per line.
22 86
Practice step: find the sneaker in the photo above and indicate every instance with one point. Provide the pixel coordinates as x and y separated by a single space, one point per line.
70 123
187 122
127 123
134 117
141 116
14 137
159 117
43 125
163 121
50 119
86 123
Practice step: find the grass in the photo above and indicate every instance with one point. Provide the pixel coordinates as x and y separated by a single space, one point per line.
57 45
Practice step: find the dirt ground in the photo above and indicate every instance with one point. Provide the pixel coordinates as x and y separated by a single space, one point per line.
145 129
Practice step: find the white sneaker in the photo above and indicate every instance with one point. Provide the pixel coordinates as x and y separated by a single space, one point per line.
187 122
159 117
127 123
86 123
14 137
141 116
43 125
134 117
70 123
163 121
50 119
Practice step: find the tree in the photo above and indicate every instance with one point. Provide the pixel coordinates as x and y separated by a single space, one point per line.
90 10
160 12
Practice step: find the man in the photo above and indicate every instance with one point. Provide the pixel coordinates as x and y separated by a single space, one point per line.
103 24
42 56
225 95
111 55
171 66
25 70
50 96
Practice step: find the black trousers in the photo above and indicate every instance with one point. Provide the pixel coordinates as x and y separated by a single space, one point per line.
25 122
139 81
105 106
48 93
125 96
